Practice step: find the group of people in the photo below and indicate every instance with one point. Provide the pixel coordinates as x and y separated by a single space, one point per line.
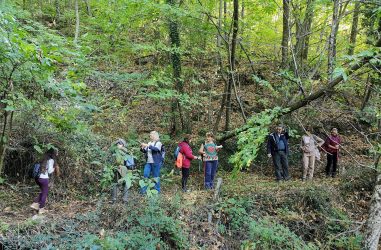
277 149
154 159
310 145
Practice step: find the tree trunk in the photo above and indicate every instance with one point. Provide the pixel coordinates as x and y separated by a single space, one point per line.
367 92
373 224
76 22
286 33
3 141
355 21
303 29
332 39
232 64
307 29
176 66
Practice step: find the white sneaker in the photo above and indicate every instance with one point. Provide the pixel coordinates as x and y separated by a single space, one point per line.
35 206
42 211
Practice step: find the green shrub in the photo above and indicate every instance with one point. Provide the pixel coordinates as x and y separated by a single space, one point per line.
266 234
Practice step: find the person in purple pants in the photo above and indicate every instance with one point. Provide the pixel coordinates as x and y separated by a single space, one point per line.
48 165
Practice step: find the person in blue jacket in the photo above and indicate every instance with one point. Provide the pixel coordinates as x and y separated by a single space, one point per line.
277 148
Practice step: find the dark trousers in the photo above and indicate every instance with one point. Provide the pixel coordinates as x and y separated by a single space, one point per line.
280 165
331 167
184 179
44 187
210 173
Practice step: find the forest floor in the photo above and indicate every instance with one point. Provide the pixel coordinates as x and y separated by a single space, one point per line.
299 205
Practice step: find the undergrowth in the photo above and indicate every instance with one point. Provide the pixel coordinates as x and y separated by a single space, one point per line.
141 225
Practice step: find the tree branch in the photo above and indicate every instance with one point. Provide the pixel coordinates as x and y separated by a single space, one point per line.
301 103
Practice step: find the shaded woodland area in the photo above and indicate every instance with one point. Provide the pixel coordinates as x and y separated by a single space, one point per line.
77 75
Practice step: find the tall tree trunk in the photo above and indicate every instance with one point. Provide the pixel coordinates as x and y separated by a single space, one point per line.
232 64
373 224
220 8
176 66
355 21
307 29
332 39
303 29
368 91
3 141
76 22
285 33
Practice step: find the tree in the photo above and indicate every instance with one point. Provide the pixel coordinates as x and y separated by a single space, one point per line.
303 30
285 33
76 22
176 67
232 59
354 29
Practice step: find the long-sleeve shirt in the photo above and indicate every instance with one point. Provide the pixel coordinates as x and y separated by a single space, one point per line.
49 169
186 150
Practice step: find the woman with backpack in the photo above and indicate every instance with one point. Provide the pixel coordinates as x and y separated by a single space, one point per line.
208 150
309 146
153 152
188 156
48 165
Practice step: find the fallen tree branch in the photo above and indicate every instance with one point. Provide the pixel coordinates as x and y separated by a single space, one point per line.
301 103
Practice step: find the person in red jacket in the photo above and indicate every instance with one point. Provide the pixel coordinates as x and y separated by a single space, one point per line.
186 151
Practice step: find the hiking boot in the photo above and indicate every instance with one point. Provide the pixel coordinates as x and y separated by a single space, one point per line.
35 206
42 211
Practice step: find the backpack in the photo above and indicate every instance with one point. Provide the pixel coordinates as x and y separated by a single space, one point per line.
35 171
178 157
176 153
129 162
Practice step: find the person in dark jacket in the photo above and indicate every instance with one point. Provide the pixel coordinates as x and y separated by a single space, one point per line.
188 156
277 148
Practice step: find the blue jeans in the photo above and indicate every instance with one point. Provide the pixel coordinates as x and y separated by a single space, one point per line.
155 170
210 173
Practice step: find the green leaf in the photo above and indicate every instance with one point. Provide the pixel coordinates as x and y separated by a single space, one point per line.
38 149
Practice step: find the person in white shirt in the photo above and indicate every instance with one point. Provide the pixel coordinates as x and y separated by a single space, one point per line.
309 146
48 165
154 157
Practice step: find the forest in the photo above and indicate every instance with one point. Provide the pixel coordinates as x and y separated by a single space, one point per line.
190 124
